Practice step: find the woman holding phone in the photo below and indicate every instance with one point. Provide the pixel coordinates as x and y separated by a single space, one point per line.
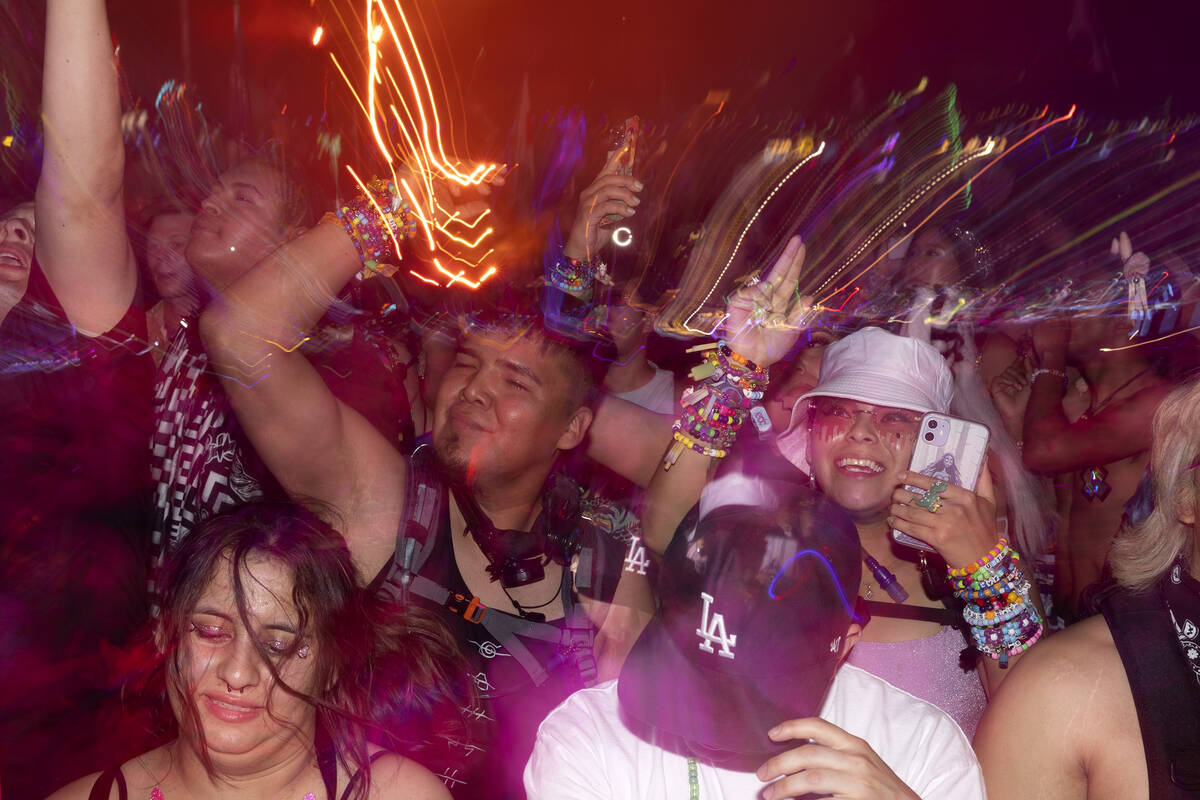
853 436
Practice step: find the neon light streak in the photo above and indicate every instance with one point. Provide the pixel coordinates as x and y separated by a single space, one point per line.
746 229
419 276
957 192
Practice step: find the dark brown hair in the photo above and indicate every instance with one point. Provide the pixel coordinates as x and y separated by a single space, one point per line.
352 632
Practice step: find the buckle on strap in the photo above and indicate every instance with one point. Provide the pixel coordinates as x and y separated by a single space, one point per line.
469 608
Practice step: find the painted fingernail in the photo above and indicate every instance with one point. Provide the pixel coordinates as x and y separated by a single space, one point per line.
639 185
636 200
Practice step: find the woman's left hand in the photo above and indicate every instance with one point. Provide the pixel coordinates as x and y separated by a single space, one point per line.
961 530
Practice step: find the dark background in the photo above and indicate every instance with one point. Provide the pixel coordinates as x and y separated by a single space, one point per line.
1113 58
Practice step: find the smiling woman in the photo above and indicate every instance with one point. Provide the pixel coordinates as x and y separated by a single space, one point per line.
267 646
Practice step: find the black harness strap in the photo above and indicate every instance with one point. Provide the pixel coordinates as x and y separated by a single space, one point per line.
425 500
1164 692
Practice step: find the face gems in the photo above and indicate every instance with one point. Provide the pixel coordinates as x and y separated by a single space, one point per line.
1095 487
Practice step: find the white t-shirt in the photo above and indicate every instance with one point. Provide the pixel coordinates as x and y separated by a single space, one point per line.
583 751
656 394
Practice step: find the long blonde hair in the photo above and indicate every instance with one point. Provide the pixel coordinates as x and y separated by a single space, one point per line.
1142 554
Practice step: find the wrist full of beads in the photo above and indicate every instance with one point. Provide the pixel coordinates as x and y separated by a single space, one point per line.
377 220
1004 622
575 277
727 389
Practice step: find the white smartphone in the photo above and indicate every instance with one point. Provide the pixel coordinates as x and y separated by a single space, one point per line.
950 449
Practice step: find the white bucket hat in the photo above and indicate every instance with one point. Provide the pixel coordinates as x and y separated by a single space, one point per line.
877 367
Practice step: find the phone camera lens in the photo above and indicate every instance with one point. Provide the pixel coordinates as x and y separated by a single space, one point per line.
929 437
933 423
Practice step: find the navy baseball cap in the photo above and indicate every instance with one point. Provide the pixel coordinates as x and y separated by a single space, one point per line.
754 605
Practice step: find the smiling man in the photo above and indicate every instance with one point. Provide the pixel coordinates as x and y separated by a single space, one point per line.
479 526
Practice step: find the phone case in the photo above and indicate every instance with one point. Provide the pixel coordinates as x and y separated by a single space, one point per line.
948 448
625 152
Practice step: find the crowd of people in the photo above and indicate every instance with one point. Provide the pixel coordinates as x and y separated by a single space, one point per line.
869 473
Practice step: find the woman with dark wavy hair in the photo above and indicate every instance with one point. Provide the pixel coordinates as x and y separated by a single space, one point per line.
268 647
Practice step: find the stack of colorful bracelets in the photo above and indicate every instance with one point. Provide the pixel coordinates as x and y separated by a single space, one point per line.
1004 622
727 388
576 277
376 221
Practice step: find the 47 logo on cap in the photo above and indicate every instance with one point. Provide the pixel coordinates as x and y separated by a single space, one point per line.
713 631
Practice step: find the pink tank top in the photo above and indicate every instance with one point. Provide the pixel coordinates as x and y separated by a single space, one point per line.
928 668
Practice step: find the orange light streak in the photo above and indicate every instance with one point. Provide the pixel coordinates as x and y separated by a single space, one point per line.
456 218
487 232
414 149
421 277
458 277
481 172
468 263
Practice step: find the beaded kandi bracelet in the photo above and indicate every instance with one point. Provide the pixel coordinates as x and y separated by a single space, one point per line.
576 277
377 221
715 407
1004 622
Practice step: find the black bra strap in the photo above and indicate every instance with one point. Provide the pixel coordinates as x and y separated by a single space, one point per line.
942 616
102 788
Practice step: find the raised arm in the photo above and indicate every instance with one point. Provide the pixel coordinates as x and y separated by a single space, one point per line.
316 446
628 439
1054 444
762 325
82 245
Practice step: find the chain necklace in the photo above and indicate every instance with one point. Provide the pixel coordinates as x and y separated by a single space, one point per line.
1093 408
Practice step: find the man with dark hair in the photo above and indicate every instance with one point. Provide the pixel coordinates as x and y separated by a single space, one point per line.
480 525
737 688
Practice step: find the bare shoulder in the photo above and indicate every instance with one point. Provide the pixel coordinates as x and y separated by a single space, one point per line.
80 789
134 771
394 777
1077 669
1068 713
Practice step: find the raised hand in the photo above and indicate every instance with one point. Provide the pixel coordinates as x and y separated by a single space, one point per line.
610 193
1010 389
764 318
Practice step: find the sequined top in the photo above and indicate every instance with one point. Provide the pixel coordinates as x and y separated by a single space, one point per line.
929 669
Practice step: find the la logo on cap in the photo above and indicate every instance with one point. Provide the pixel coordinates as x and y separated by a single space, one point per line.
713 631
